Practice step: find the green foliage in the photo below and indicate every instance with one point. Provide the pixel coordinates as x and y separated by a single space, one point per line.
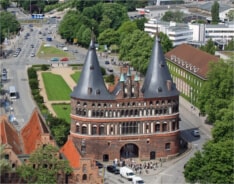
59 128
33 83
9 25
48 166
108 37
213 165
218 89
176 16
141 23
136 48
166 43
76 76
230 45
4 4
103 70
215 13
209 47
230 15
32 73
44 67
110 78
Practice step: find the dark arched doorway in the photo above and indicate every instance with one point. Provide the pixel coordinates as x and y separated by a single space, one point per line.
129 151
152 155
105 158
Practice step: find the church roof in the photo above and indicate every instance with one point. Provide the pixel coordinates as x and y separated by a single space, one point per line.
91 84
158 76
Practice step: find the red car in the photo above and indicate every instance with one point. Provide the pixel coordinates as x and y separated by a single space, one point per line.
64 59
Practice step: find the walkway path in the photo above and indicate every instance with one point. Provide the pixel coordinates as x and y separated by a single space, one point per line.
65 72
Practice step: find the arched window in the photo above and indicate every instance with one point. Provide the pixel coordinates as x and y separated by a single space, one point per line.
101 130
77 127
157 127
84 104
165 127
84 177
84 129
94 130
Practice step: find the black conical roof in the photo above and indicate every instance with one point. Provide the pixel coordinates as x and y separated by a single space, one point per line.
157 75
91 84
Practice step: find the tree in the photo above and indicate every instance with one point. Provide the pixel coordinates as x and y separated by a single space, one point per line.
209 47
4 163
215 13
59 129
217 91
230 15
166 43
230 45
176 16
44 166
213 165
108 37
5 4
9 25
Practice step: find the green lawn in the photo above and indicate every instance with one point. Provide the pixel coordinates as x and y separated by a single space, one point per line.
75 76
56 87
63 111
49 52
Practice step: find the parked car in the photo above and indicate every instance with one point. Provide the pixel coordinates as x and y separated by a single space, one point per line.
110 70
112 169
54 59
64 59
107 62
4 71
196 133
32 54
99 165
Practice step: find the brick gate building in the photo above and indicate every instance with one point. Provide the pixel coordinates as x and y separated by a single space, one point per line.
137 119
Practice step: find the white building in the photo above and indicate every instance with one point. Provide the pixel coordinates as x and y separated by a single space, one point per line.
192 33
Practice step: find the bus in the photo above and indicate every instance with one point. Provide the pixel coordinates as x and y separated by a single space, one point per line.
12 92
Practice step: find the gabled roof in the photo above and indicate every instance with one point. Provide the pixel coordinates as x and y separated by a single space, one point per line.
71 153
191 55
32 132
91 84
158 76
9 135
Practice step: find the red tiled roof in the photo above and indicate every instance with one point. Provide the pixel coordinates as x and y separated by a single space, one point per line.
9 135
32 133
193 56
71 153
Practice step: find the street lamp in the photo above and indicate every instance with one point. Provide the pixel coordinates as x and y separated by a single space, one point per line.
191 97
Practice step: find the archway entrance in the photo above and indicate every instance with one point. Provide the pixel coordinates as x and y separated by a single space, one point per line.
129 151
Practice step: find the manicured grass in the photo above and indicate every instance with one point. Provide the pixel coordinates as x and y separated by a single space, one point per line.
63 111
56 87
75 76
49 52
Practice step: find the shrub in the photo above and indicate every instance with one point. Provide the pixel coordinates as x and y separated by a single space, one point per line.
32 73
44 67
33 83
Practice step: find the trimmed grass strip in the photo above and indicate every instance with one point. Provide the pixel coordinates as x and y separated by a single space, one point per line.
63 111
75 76
56 87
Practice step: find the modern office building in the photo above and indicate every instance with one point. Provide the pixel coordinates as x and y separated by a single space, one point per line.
137 119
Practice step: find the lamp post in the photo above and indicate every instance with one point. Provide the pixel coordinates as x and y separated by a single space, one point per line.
191 97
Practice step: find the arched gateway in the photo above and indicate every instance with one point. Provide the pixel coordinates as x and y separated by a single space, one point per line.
129 151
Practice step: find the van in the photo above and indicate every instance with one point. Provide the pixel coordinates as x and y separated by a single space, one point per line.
12 92
127 173
137 180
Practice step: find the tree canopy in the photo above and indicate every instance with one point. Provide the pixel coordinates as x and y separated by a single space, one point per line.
209 47
4 163
9 25
215 13
44 166
214 164
176 16
230 45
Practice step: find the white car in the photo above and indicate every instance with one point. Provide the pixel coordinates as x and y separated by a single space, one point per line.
196 133
65 49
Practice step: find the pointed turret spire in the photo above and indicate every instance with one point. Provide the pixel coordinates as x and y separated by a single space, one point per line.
91 84
158 81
